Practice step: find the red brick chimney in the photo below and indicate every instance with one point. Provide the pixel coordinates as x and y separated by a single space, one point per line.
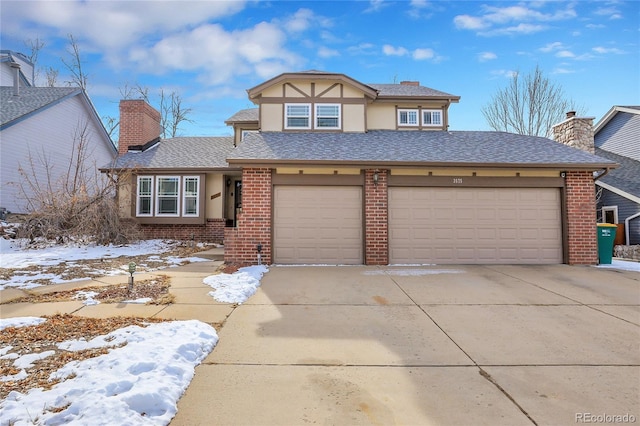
139 124
410 83
576 132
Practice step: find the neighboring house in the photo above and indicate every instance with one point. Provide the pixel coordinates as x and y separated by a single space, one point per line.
617 138
25 69
40 125
329 170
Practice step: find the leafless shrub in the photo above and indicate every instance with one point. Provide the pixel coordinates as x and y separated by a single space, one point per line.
77 203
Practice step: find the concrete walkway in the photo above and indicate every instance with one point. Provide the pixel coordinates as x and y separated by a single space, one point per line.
406 345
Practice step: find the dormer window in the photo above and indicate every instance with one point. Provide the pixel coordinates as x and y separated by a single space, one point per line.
431 117
297 116
327 116
407 117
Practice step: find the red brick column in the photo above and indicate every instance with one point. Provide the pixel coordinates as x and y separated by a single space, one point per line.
581 222
254 223
376 246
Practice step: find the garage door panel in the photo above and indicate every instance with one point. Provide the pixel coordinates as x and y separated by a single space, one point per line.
475 225
317 225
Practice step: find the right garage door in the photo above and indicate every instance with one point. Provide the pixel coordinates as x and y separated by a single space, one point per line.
475 225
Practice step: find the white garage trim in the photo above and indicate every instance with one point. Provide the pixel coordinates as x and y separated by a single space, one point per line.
318 225
475 225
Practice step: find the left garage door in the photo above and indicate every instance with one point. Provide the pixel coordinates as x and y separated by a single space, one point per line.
318 225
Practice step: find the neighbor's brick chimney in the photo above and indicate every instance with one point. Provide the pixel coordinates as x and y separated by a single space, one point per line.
576 132
139 124
410 83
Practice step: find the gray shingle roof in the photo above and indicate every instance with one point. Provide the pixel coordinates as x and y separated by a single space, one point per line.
626 177
30 100
419 147
408 90
250 114
180 153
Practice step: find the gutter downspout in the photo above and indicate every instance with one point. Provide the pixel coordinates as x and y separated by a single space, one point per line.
627 234
603 174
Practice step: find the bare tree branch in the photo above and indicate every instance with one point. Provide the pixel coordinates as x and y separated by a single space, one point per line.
529 105
74 65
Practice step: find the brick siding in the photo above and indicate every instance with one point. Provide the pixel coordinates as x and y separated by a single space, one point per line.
211 232
581 219
139 124
254 223
376 247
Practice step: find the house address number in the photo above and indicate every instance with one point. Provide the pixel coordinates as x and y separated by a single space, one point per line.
457 180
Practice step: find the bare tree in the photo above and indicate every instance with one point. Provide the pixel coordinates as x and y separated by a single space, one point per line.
51 75
529 105
172 113
34 46
77 202
74 65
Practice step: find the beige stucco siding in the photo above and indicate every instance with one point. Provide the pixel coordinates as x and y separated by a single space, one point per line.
214 184
381 117
353 118
271 117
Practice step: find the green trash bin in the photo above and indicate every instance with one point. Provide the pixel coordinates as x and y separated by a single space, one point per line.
606 237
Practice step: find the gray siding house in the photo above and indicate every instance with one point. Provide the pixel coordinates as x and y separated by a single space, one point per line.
617 138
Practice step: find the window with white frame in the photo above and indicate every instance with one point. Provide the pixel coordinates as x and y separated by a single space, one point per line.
610 214
327 116
431 117
190 196
144 199
167 195
297 116
407 117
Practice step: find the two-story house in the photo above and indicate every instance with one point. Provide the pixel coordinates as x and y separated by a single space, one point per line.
617 138
40 130
329 170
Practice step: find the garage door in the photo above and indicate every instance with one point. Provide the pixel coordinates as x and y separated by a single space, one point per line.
317 225
475 225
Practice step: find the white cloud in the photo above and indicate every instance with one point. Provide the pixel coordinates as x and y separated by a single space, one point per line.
561 70
550 47
504 73
422 54
486 56
604 50
375 6
362 49
325 52
512 20
610 12
218 54
389 50
565 54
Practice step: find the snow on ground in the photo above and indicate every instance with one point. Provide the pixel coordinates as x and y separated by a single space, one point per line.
14 256
139 383
236 287
624 265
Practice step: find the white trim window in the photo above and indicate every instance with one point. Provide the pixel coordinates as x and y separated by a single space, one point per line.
190 198
167 196
610 214
407 117
144 196
297 116
432 117
327 116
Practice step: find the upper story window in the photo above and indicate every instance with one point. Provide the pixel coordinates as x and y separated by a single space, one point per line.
297 116
327 116
431 117
407 117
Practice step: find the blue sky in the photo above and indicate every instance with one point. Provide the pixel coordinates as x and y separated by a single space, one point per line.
210 52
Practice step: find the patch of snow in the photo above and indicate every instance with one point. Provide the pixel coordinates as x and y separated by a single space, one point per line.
625 265
236 287
139 383
20 322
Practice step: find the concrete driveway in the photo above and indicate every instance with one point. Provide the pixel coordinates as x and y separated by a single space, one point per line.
454 345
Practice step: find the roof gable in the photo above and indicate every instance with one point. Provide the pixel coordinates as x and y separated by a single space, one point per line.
30 101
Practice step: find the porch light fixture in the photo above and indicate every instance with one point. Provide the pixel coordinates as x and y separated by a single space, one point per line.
228 182
376 177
